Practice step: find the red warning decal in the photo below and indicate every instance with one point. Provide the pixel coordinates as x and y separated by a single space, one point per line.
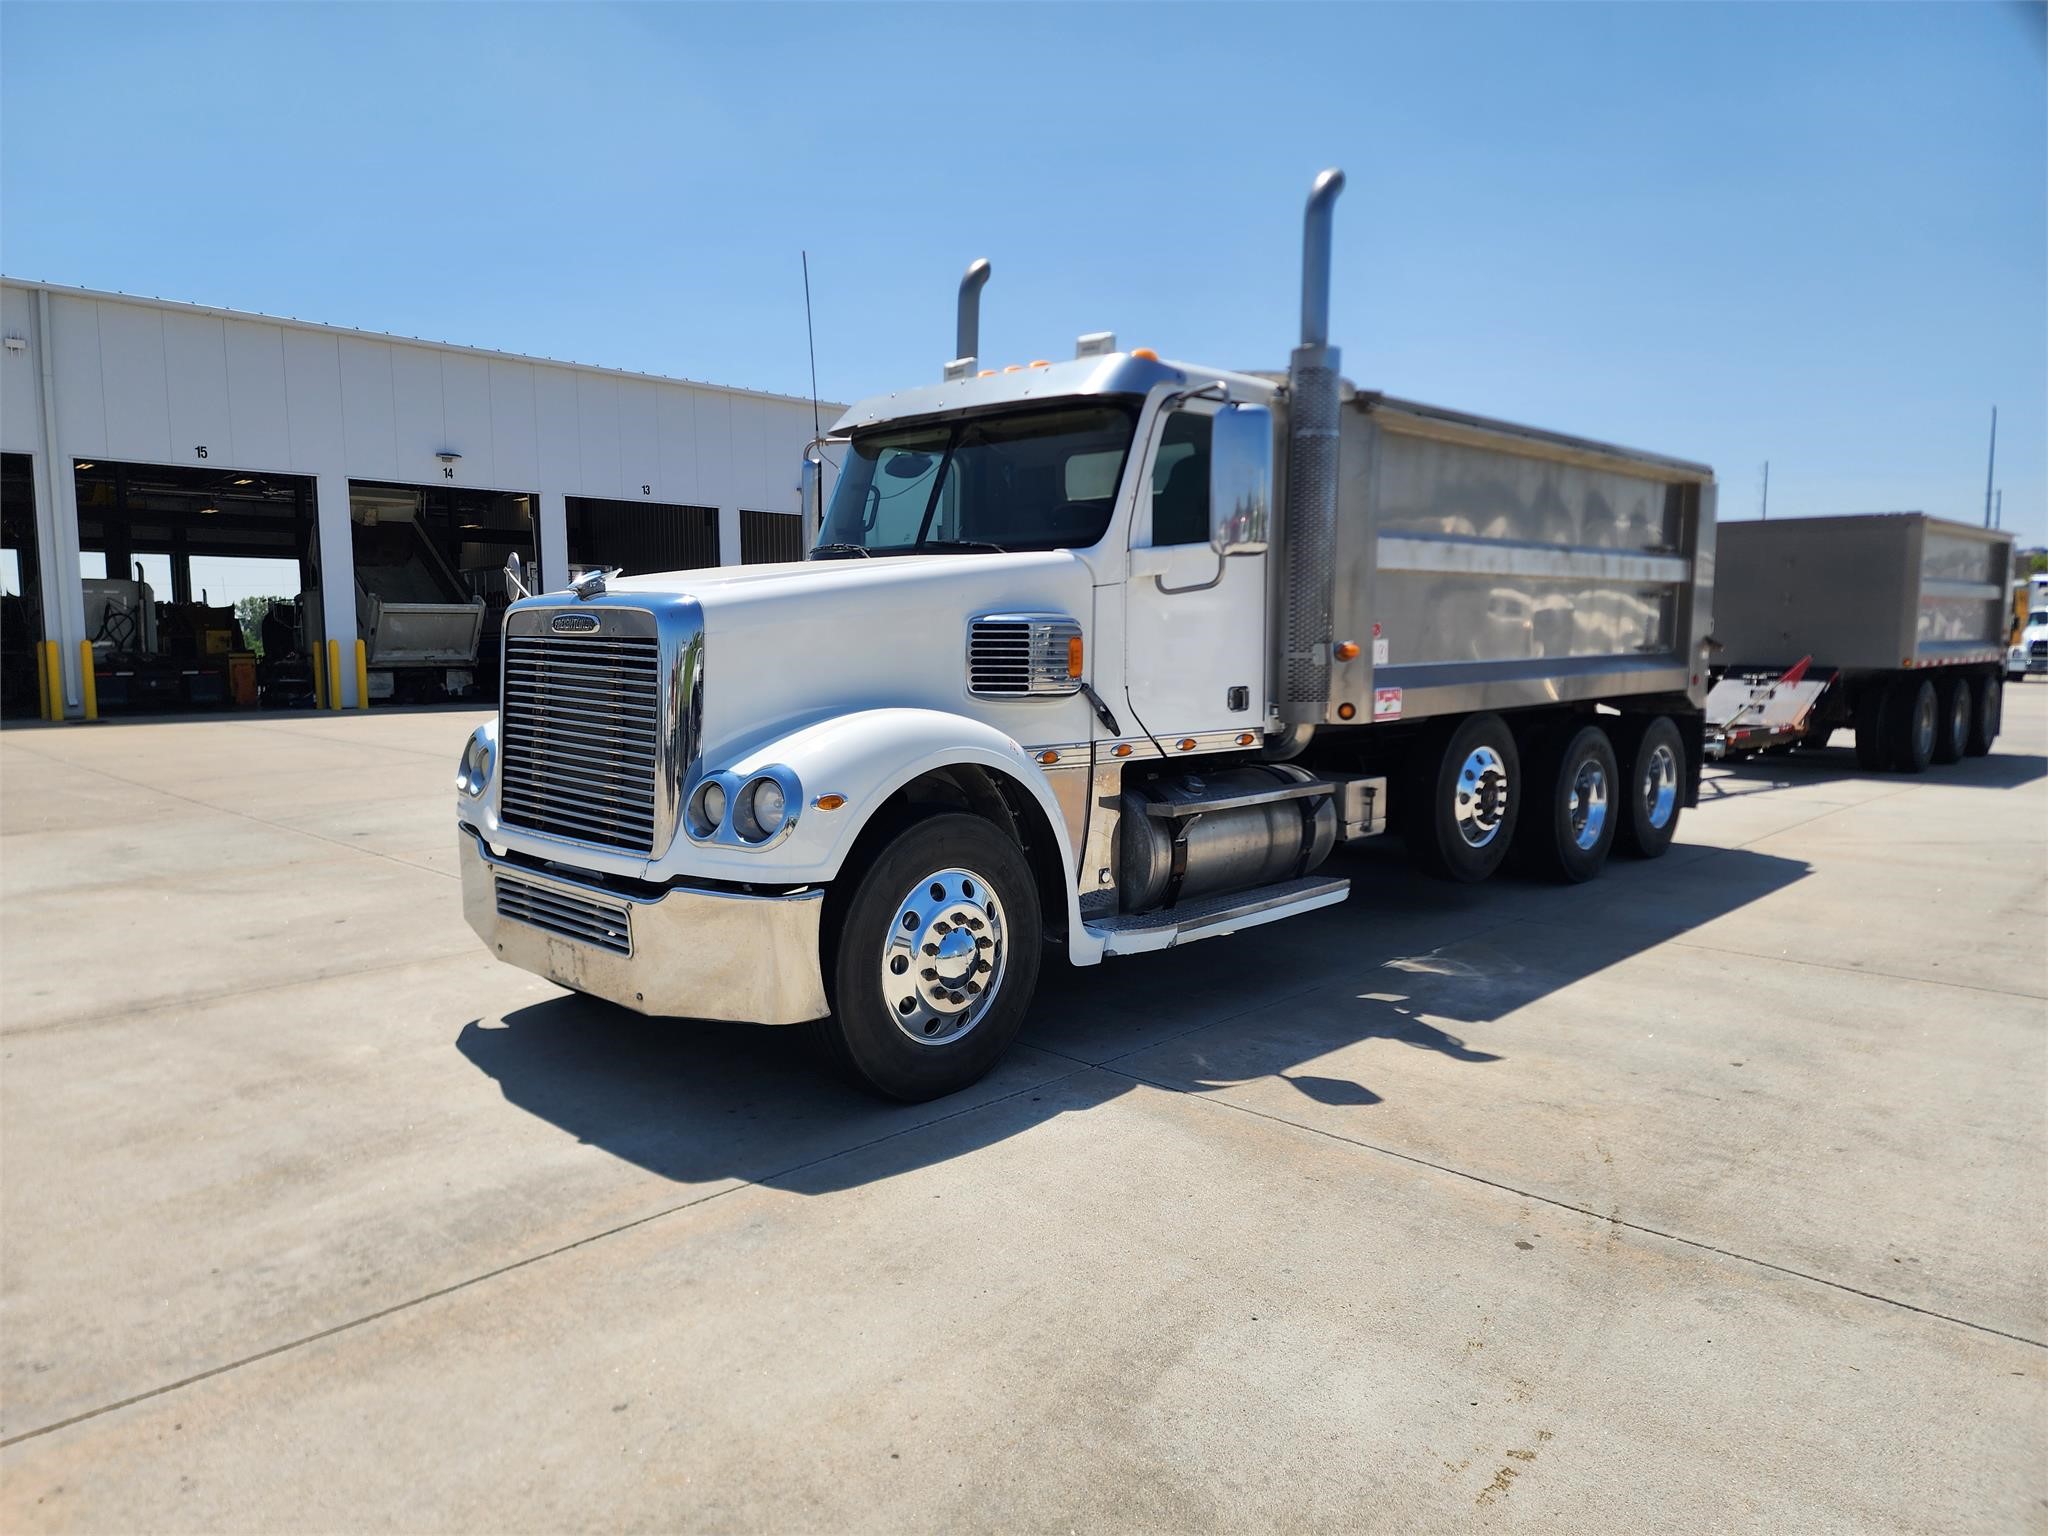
1386 703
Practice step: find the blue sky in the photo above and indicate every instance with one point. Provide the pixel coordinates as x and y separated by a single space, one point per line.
1816 234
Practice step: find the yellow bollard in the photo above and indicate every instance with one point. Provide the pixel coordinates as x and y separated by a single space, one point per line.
89 684
319 680
53 665
334 674
362 675
42 685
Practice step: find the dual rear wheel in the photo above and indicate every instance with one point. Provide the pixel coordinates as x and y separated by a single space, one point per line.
1905 723
1562 799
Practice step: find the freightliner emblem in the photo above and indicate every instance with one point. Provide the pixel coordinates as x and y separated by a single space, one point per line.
573 623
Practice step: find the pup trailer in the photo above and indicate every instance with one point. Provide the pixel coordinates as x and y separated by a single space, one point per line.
1891 625
1088 658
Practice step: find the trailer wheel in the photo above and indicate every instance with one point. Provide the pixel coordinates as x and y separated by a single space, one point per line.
936 960
1953 719
1466 801
1987 712
1911 716
1656 790
1570 827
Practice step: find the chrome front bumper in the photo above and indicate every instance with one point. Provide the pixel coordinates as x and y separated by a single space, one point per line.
691 953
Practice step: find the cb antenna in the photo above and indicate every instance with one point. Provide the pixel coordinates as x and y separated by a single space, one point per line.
811 335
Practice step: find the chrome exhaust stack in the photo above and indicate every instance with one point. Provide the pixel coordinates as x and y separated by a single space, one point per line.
1312 433
967 328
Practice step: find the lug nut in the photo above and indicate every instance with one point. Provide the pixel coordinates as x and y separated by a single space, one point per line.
929 974
931 949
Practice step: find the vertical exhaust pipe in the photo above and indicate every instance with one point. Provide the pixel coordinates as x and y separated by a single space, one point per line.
967 333
1312 432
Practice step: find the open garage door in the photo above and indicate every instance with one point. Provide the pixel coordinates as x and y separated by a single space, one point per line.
21 592
640 537
768 537
191 583
430 585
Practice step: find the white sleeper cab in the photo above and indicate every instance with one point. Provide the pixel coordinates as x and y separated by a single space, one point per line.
1087 658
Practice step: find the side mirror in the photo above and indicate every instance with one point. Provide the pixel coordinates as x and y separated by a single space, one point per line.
1241 480
513 576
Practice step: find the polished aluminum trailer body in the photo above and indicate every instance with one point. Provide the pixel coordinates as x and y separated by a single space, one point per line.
1873 593
1480 565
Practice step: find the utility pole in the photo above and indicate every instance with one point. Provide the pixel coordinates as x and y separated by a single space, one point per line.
1998 509
1991 466
1767 491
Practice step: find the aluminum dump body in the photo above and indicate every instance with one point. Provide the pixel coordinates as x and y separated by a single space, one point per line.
1870 593
1481 565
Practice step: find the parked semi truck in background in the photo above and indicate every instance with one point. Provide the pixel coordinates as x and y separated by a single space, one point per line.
1092 657
1890 625
2028 652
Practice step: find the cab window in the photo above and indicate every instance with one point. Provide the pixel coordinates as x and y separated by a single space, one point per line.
1180 481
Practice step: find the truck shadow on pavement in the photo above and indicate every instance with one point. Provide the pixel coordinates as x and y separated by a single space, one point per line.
1419 965
1825 765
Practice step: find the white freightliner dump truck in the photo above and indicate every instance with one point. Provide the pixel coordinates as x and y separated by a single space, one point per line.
1089 658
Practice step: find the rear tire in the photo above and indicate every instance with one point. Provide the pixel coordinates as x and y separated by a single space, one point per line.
1465 802
1953 718
935 960
1656 790
1577 784
1987 712
1911 715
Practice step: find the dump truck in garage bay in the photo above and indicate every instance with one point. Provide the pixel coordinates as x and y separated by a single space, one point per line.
1088 658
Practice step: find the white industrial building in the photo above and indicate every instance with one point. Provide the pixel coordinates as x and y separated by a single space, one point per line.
142 436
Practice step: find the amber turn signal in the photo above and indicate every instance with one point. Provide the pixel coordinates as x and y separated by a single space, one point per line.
1146 353
1347 650
1121 749
829 802
1186 743
1048 756
1245 738
1346 711
1073 655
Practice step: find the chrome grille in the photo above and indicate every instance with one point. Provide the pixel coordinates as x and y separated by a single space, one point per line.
1011 655
588 921
579 737
2037 648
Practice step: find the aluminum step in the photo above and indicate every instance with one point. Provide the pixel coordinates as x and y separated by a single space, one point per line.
1210 917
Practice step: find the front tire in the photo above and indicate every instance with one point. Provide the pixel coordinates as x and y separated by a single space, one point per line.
935 960
1465 802
1656 790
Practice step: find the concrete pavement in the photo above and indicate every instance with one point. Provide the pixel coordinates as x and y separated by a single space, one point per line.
1708 1194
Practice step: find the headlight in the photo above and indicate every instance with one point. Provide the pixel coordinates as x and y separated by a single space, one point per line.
763 809
473 774
707 809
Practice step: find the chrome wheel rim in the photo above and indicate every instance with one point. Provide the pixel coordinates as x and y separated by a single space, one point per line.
1923 723
1660 785
1482 797
1588 807
944 956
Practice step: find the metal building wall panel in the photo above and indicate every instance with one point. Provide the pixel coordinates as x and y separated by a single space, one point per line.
557 434
639 451
132 380
21 417
368 430
515 455
597 424
466 422
196 381
676 442
419 423
312 399
75 362
258 421
715 479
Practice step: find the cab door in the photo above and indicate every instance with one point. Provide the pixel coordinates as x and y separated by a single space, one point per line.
1195 609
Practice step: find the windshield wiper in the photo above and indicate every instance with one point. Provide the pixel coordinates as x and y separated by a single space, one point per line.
959 544
842 549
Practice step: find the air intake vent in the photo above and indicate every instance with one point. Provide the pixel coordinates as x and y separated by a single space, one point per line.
602 924
1015 655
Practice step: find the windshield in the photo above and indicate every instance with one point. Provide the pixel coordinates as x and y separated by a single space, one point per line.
1037 480
2038 616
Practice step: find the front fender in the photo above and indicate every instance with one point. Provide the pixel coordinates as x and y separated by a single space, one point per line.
866 757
